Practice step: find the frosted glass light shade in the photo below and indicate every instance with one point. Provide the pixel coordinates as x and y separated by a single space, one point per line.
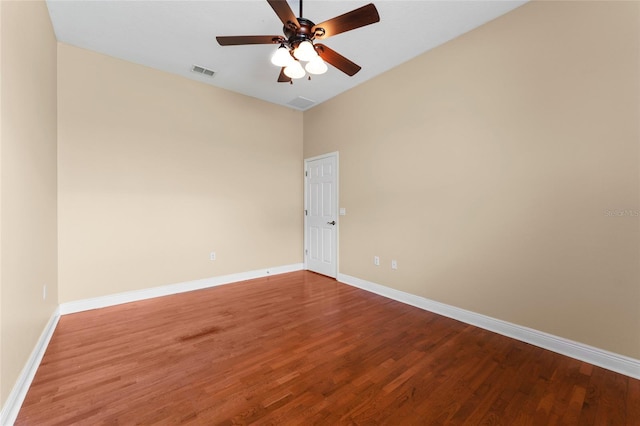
305 51
294 70
281 57
316 66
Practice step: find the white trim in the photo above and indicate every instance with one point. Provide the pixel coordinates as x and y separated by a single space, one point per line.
335 154
605 359
16 397
609 360
12 406
305 207
149 293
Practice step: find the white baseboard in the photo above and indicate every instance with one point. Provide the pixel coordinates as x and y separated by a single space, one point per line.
149 293
609 360
12 406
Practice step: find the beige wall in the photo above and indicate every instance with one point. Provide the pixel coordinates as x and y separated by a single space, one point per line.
486 167
156 171
488 177
28 184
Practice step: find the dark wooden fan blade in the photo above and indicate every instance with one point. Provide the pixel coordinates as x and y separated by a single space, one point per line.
239 40
282 78
284 12
337 60
357 18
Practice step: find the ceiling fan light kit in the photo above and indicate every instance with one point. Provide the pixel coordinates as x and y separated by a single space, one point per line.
305 51
294 70
282 57
316 66
297 44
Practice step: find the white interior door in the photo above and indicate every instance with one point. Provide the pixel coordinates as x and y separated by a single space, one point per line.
321 214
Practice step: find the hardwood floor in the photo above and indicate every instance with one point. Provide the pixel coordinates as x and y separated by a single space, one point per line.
301 348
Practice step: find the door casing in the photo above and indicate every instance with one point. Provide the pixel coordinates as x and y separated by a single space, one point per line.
336 252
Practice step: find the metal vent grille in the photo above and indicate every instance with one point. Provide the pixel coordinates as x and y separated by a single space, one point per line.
202 70
301 103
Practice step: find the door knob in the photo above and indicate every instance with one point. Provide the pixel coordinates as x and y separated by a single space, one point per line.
333 222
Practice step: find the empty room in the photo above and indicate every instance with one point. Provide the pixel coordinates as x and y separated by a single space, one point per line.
320 212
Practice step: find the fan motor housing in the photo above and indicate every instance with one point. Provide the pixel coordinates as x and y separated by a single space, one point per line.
300 34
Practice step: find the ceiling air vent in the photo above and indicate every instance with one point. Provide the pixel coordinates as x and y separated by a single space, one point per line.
202 70
301 103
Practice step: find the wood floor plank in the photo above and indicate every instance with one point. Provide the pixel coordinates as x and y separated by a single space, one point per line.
301 348
633 403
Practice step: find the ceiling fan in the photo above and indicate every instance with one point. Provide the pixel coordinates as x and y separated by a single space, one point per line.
297 44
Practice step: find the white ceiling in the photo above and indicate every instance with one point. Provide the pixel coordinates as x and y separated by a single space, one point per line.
175 35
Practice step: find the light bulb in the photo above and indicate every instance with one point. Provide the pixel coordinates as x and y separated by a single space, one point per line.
305 51
281 57
294 70
316 66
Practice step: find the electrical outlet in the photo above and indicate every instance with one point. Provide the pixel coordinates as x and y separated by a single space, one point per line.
394 264
376 260
212 255
44 292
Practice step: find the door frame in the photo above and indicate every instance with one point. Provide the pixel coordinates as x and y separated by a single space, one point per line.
305 248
